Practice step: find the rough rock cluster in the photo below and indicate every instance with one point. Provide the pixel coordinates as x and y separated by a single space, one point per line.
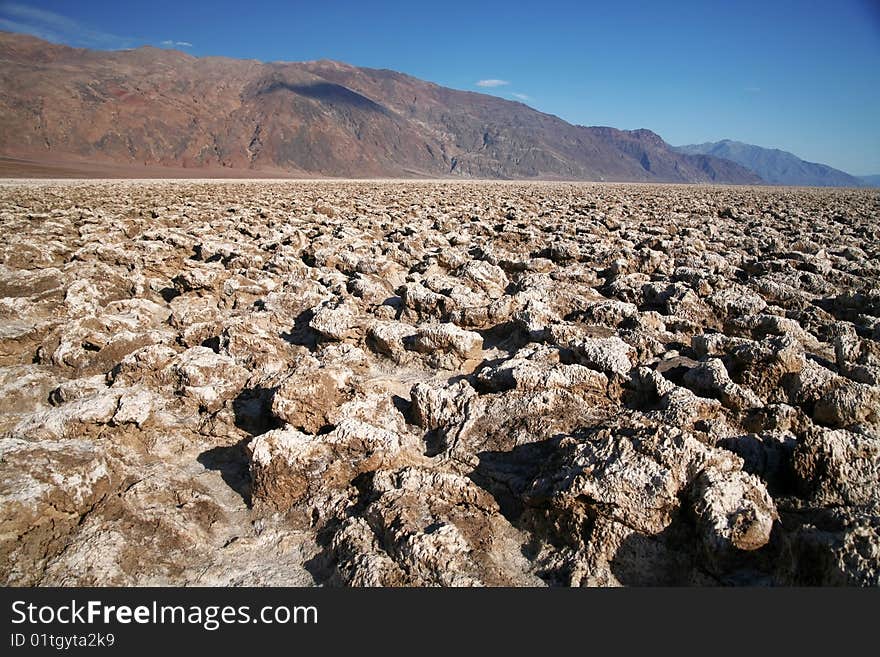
385 383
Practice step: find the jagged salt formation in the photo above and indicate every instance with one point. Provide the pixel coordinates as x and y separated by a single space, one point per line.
438 384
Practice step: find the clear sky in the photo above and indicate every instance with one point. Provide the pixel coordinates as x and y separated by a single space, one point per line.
800 75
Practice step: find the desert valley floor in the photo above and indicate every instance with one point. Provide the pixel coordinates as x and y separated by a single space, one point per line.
438 383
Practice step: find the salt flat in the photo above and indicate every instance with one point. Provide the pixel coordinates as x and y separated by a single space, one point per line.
436 383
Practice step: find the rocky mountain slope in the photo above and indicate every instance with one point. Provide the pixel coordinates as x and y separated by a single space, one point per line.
451 383
153 108
775 166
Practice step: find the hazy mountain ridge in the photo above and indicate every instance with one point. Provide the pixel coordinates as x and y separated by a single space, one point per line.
775 166
161 108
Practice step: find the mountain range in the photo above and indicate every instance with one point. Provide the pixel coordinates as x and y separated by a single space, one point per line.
157 112
149 110
775 166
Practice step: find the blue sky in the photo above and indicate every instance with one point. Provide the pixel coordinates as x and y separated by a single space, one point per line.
800 75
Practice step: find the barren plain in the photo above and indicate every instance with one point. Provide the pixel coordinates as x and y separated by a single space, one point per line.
423 383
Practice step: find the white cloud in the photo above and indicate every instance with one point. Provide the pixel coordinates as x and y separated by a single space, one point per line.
492 83
753 90
48 25
16 26
521 96
16 17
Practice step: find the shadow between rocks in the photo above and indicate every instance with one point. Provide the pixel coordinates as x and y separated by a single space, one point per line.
323 565
169 293
664 559
302 334
506 336
506 476
233 464
252 408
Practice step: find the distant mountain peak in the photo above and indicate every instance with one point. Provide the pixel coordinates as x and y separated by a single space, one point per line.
775 166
